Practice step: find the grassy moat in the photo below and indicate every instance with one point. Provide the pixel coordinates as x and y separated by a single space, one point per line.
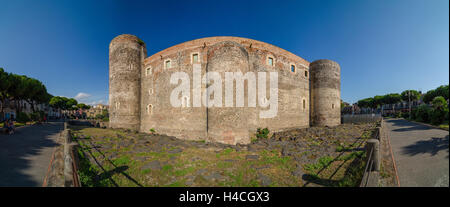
317 156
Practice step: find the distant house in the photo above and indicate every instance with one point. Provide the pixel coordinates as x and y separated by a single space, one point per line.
9 109
96 110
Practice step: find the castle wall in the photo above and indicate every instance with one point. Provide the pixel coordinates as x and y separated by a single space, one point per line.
182 122
226 125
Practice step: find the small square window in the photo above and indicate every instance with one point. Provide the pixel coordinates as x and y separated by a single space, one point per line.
195 58
293 68
168 65
270 61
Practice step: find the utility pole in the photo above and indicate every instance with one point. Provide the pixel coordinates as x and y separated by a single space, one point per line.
409 102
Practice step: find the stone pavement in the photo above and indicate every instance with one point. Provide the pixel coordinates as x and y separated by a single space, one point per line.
421 153
25 156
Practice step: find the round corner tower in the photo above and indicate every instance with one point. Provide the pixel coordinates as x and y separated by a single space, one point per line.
325 93
126 54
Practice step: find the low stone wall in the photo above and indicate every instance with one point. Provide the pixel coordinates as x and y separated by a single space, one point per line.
62 171
92 123
71 178
360 118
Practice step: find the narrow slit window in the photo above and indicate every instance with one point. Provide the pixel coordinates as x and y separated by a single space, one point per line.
293 68
149 109
304 104
270 61
306 73
195 58
332 106
148 71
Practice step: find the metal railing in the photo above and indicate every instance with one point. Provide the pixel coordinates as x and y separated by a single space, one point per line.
367 172
373 157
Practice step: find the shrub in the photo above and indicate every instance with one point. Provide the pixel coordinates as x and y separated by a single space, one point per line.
446 115
22 117
36 116
440 110
423 113
262 133
405 115
99 116
438 116
413 114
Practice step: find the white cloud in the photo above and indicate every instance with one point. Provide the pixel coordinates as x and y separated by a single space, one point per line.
96 102
81 96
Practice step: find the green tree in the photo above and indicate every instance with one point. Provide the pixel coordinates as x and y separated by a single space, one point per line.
5 83
392 98
378 100
410 95
439 91
71 104
59 102
83 106
440 109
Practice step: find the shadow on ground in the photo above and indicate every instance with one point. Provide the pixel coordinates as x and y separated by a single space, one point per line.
407 126
432 146
17 149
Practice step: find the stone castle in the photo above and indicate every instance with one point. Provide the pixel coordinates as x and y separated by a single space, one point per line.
140 89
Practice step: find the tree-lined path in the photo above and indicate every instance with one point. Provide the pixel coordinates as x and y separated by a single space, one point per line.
421 153
25 155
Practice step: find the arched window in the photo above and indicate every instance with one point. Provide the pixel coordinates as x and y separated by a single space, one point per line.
292 68
149 109
148 71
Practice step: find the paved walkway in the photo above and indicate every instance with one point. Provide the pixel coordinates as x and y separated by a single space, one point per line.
420 152
25 156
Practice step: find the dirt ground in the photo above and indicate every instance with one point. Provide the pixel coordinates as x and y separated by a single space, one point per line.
316 156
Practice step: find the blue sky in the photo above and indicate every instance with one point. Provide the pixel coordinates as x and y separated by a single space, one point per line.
383 46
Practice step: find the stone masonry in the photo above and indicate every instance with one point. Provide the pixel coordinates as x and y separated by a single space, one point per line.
140 89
